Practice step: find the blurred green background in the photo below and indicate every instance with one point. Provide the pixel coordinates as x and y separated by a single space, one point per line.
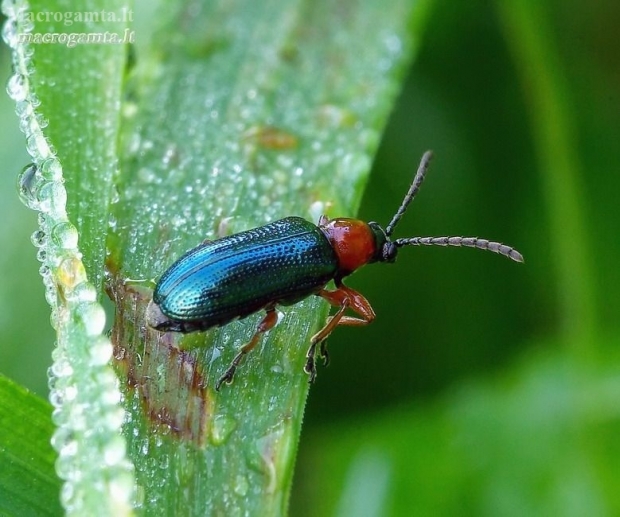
484 387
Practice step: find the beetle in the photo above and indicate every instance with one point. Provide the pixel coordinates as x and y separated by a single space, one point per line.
281 263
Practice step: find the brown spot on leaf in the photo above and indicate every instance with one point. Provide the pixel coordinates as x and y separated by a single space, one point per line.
269 137
170 382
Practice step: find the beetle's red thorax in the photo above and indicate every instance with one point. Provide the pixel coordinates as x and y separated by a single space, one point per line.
352 240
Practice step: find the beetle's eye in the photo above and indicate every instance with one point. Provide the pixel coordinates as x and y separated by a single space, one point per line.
389 252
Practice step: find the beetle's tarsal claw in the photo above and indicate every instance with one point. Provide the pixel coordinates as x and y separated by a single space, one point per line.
311 371
226 378
310 367
324 353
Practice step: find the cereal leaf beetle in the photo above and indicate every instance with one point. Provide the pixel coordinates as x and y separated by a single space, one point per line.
281 263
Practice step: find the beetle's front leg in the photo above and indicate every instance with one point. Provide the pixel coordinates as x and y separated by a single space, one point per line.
267 323
342 297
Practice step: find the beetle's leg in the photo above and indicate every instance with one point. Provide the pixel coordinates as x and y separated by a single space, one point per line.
320 337
267 323
324 353
343 297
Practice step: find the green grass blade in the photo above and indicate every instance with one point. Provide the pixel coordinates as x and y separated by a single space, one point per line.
79 90
28 483
237 115
83 388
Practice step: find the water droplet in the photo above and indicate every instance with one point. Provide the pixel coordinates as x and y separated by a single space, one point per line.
51 297
26 22
241 485
17 87
70 393
10 33
29 51
170 154
41 120
65 236
112 223
27 125
49 282
216 352
393 43
38 238
41 255
57 355
58 317
177 221
61 368
317 209
61 436
100 352
67 495
37 146
53 199
64 464
114 451
34 100
146 175
116 197
270 449
56 398
222 428
27 186
58 417
122 491
277 368
51 170
28 63
71 274
78 416
8 8
116 415
93 318
24 109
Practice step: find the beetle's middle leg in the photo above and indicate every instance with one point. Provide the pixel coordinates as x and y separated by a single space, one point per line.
342 297
267 323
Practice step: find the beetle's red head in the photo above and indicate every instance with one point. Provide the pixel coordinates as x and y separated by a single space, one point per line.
357 243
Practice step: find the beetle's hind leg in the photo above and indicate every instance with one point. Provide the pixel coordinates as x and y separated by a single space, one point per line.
310 366
324 353
267 323
342 297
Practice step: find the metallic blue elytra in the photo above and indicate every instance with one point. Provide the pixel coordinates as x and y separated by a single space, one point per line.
282 263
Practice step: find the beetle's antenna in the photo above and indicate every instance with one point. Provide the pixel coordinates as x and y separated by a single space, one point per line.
469 242
413 190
